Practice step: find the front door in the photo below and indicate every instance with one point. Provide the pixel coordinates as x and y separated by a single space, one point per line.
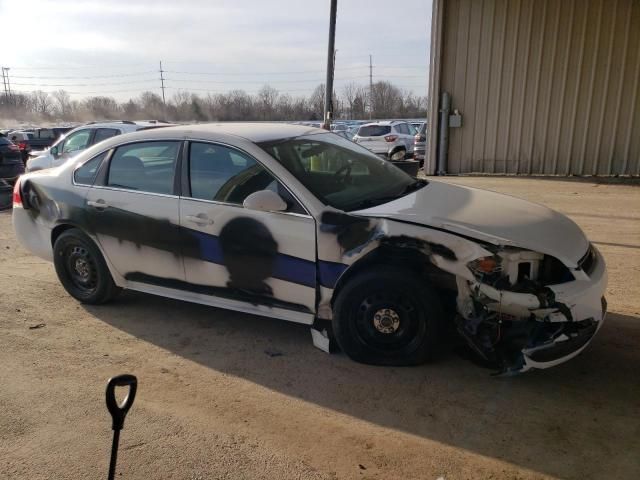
134 213
72 145
257 261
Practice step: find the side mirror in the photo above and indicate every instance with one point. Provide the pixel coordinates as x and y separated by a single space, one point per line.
54 151
266 201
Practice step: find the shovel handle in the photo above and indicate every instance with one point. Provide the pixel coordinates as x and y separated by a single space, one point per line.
118 412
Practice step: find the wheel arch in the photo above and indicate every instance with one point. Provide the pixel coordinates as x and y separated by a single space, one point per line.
404 257
60 229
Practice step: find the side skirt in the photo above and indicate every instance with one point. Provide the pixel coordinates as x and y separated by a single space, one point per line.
226 303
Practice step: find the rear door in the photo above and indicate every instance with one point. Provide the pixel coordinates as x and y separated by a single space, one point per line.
133 209
256 261
405 134
104 133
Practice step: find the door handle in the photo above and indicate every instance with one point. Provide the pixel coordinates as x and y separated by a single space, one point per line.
97 204
200 219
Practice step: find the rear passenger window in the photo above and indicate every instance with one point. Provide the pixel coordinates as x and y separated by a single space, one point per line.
46 133
104 133
144 167
226 175
86 174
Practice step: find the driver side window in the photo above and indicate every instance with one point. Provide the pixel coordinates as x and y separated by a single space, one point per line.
222 174
76 142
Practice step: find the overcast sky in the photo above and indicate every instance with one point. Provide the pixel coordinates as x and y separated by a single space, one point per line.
210 46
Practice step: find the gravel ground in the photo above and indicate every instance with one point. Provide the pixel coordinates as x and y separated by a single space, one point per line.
212 404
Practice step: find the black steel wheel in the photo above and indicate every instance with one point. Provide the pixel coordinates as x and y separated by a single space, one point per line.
81 268
387 318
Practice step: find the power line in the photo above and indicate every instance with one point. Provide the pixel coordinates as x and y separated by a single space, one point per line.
84 78
83 84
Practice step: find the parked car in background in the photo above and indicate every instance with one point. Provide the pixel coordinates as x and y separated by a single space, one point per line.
81 138
420 144
344 134
416 126
296 223
382 138
11 165
339 127
21 140
42 138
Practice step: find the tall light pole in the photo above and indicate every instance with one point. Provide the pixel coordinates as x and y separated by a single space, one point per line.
328 93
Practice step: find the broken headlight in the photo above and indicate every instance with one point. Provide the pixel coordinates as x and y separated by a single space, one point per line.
486 266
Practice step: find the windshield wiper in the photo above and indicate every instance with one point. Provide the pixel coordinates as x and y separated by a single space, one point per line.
413 186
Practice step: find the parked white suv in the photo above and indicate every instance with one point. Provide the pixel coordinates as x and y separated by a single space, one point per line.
81 138
383 138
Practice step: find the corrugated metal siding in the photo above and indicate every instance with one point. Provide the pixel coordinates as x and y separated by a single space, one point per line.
544 86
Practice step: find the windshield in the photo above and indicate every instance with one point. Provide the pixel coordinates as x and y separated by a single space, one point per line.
340 173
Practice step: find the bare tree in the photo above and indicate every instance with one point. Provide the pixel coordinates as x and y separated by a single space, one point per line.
386 99
102 107
41 103
350 92
62 103
316 102
152 105
235 105
267 97
181 102
130 109
196 109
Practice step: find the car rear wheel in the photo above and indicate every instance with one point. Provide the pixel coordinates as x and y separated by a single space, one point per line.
82 269
387 318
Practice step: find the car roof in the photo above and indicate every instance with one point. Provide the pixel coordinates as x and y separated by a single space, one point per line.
252 131
385 123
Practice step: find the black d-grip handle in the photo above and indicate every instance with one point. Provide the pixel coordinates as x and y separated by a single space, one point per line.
118 412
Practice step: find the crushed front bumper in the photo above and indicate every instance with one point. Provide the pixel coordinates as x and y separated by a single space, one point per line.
525 331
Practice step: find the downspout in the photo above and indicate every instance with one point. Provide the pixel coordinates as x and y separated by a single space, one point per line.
433 117
443 144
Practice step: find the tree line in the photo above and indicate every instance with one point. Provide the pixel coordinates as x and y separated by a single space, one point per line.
353 101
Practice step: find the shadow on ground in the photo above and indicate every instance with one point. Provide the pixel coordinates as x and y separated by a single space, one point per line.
581 417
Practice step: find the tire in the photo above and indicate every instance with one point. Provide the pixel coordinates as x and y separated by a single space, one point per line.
388 318
81 268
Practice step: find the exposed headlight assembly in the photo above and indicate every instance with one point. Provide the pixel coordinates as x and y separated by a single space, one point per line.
486 266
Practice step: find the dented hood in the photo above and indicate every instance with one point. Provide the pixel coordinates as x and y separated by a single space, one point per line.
488 216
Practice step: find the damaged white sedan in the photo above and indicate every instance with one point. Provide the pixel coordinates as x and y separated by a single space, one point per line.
297 223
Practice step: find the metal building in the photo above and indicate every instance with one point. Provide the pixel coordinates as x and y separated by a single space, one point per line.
542 86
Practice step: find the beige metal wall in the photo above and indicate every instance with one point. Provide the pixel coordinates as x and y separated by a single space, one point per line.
544 86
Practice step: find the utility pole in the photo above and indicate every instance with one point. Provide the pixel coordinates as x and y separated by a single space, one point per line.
162 83
370 86
6 84
328 102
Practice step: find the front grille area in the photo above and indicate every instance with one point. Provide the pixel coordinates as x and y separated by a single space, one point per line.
588 262
553 272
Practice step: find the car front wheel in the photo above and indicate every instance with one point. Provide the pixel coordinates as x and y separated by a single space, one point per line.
81 268
387 318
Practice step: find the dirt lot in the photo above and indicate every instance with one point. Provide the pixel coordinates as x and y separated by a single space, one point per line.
213 404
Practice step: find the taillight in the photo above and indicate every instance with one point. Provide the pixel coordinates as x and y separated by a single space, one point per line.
417 138
390 138
17 195
22 145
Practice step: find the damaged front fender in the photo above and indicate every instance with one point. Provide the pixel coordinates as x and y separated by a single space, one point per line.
517 322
